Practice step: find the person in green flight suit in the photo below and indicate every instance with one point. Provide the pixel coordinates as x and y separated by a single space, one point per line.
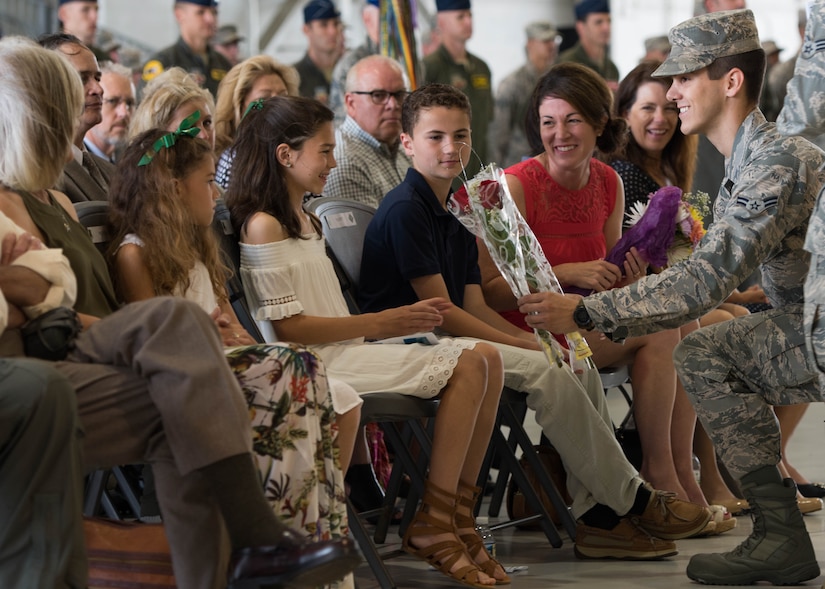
197 21
593 46
452 64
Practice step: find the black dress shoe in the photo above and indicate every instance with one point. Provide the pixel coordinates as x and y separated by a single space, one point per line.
811 490
308 565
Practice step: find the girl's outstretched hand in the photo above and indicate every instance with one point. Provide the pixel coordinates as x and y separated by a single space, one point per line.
232 332
421 316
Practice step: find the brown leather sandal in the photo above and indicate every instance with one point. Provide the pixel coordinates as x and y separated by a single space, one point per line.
441 555
467 497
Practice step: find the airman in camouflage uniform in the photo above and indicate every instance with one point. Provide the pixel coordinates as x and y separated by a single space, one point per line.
733 371
804 110
508 136
804 114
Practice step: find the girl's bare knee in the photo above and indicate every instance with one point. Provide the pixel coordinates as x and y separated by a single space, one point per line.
491 355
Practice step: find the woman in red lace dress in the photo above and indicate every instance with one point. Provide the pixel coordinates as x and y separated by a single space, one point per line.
575 206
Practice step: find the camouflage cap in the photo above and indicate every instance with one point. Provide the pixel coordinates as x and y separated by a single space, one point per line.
699 41
541 31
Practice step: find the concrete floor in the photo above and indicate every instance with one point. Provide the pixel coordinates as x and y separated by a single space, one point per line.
542 566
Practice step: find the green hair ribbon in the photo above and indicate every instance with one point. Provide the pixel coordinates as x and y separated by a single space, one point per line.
254 105
187 127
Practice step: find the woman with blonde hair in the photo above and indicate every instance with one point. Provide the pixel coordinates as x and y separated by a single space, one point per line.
169 99
255 78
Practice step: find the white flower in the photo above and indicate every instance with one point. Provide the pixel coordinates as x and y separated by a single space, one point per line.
637 209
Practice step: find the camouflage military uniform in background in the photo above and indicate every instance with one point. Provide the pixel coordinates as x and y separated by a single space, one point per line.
508 137
804 110
576 54
804 114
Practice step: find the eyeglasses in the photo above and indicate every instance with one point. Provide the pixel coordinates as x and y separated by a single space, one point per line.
382 96
115 102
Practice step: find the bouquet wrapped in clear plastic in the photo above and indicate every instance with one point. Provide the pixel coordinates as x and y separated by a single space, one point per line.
485 207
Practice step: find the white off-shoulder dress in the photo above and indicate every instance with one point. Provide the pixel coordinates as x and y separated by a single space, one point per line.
293 276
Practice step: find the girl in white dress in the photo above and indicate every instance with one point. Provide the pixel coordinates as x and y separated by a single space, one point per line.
284 149
161 207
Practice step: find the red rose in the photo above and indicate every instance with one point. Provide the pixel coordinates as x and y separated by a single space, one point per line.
489 195
462 199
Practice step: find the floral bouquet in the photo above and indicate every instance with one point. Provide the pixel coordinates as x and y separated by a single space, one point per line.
665 229
485 207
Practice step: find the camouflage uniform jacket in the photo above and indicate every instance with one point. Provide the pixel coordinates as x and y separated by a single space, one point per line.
208 74
508 139
761 215
577 54
803 112
472 78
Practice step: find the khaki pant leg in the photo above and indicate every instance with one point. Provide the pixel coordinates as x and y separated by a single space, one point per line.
572 413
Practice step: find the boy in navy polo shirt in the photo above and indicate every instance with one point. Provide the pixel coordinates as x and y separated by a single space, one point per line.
414 249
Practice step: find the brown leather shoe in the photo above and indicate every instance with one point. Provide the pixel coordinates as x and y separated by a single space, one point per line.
809 504
670 518
627 541
309 565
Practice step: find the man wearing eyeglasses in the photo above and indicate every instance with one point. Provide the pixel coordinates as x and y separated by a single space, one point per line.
369 161
105 138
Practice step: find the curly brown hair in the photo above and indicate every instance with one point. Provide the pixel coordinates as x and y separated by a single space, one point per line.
143 201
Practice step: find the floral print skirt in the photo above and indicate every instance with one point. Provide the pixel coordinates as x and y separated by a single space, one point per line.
293 435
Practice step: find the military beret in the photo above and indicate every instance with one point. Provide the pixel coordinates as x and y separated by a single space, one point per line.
374 2
585 7
698 42
444 5
207 3
320 10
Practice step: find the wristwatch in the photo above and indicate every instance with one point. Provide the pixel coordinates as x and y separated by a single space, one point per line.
582 317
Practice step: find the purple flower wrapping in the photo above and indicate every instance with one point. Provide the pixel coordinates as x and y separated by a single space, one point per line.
653 234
